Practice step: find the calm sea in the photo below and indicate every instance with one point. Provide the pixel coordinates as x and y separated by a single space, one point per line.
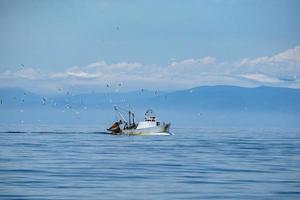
196 163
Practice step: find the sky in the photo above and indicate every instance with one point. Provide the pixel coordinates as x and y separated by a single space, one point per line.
159 45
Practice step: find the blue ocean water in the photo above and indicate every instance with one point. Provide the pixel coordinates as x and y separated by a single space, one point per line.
195 163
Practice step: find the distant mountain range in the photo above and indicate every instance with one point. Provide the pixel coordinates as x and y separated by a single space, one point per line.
206 98
234 98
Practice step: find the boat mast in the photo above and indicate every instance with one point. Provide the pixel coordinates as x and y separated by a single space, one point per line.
129 118
133 118
120 110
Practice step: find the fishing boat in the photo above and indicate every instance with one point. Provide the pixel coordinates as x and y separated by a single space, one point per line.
150 125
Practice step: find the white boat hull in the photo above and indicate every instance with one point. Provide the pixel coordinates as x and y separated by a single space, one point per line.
156 130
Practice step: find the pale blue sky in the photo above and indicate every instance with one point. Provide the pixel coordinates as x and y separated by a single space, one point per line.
53 36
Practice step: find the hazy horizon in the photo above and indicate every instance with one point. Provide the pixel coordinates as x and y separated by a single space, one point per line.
217 106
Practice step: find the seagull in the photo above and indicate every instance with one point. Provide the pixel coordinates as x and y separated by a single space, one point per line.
44 101
22 65
68 107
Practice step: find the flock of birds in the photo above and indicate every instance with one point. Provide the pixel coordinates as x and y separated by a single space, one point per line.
44 99
67 105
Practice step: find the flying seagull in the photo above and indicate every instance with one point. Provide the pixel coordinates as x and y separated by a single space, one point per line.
44 101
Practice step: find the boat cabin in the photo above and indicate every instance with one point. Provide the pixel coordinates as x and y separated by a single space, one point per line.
150 120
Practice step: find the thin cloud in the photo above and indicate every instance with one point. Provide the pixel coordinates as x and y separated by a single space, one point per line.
207 60
288 57
261 78
282 69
